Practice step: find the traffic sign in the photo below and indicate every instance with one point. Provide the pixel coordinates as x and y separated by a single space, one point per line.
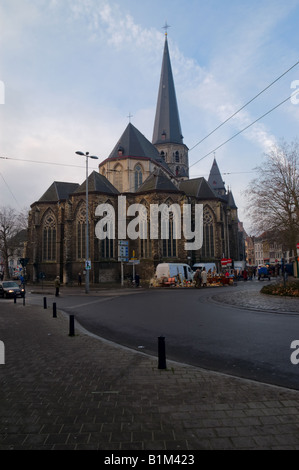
87 264
123 250
226 262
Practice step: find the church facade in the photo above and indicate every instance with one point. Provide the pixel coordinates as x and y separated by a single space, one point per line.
142 172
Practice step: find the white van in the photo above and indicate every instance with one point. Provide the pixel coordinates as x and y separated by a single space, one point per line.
178 270
208 266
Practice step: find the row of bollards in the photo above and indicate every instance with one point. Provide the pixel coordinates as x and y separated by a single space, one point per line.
71 321
161 339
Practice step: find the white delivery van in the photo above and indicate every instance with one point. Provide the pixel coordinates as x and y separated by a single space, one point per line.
239 265
180 271
208 266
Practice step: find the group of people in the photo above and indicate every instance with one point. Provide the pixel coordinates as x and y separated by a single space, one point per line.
200 278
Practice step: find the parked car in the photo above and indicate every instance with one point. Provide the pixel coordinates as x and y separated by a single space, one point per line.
263 273
10 289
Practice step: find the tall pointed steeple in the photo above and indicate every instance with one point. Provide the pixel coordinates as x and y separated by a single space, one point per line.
167 126
215 180
167 135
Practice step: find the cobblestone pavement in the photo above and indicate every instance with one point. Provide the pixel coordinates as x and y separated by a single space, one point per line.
80 392
251 298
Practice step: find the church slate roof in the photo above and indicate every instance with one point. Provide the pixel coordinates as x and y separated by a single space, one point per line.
198 187
58 191
167 127
97 183
231 201
157 181
134 144
215 179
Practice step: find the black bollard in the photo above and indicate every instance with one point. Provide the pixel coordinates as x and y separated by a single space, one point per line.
72 325
15 299
161 353
54 310
45 302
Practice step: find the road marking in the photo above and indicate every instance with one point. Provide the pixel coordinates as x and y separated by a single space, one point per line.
90 303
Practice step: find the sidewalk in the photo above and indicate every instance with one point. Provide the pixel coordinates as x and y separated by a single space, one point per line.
62 392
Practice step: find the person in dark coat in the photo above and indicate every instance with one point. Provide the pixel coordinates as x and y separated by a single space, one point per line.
137 280
57 286
197 278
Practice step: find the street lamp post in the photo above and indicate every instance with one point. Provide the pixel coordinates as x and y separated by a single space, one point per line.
87 222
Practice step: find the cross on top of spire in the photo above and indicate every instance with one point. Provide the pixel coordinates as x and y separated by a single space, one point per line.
166 27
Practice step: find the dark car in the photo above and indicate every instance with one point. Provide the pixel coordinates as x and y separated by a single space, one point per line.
10 289
263 273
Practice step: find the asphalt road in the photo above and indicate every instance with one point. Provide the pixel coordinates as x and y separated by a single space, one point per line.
198 331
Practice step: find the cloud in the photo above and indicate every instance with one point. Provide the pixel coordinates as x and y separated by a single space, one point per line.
79 67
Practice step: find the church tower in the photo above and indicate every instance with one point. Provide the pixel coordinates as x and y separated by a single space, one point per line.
167 135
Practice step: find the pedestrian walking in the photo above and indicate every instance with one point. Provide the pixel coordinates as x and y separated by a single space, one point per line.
197 278
57 286
204 277
137 280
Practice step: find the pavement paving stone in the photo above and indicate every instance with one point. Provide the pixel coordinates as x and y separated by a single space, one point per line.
258 301
81 393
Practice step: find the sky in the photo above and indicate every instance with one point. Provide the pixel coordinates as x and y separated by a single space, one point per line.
73 71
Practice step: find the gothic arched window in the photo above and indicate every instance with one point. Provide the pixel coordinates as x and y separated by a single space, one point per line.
145 246
49 237
208 250
169 244
137 176
81 233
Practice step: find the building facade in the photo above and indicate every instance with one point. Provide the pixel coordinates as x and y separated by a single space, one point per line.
137 171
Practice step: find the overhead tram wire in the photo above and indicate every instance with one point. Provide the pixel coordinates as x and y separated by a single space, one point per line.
244 106
245 128
41 162
12 194
218 127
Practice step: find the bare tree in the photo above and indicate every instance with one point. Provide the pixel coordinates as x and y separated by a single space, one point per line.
11 222
273 196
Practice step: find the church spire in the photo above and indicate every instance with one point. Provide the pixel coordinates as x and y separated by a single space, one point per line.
215 179
167 127
167 135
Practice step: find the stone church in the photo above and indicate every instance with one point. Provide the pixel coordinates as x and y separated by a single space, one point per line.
146 173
